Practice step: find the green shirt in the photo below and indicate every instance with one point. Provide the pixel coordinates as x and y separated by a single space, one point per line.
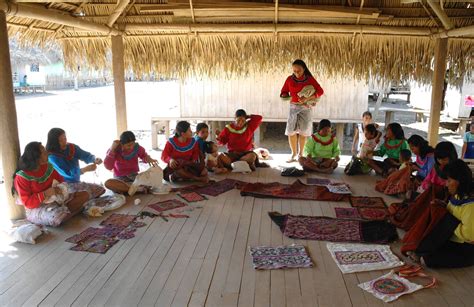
318 150
393 153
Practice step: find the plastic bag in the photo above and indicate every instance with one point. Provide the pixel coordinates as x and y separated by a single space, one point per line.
27 233
240 167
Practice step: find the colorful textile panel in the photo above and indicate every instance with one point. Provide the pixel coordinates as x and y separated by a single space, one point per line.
280 257
390 287
369 214
191 197
367 202
167 205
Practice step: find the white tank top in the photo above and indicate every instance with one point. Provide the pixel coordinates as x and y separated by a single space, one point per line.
361 136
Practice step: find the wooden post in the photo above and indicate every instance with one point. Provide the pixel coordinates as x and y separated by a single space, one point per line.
119 83
441 48
154 134
340 134
9 141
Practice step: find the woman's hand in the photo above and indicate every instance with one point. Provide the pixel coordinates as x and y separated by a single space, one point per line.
302 99
88 168
115 145
415 166
51 192
152 162
173 164
98 161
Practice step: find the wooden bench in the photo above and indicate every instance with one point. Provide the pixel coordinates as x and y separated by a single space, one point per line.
165 121
399 92
463 121
420 115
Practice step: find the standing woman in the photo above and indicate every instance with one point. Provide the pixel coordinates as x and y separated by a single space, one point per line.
299 125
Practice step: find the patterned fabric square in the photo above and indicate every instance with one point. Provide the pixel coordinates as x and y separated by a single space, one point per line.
219 187
318 181
390 287
373 214
339 188
94 244
352 258
347 213
119 220
95 232
368 202
280 257
191 197
167 205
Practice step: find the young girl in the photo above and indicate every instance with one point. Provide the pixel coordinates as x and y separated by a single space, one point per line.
444 153
122 159
359 132
468 146
425 159
33 182
321 151
182 156
394 142
238 136
450 244
65 156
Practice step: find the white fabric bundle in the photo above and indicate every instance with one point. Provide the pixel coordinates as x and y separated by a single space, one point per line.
240 167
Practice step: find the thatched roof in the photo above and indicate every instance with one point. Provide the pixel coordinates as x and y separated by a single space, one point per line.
217 38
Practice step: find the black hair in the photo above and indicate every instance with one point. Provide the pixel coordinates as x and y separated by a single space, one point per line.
181 127
201 126
460 171
367 113
422 144
305 68
405 154
371 128
208 147
240 113
127 137
397 131
445 150
324 123
29 159
52 145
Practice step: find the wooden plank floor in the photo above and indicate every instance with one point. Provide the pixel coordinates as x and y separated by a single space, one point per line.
203 261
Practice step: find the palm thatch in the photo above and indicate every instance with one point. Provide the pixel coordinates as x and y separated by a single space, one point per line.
183 53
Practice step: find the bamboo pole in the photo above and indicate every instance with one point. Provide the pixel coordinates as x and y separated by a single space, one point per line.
441 50
448 25
294 28
36 12
118 67
9 141
465 31
121 5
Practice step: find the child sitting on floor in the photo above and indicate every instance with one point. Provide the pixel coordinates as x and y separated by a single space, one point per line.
202 133
122 159
212 152
321 151
405 158
468 146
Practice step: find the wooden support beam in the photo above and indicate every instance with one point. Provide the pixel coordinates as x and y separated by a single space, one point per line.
192 10
118 67
437 85
448 25
9 141
36 12
459 32
261 28
276 11
121 5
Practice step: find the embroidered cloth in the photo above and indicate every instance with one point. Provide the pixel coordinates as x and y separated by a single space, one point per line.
390 287
347 213
318 181
192 197
167 205
119 220
368 202
351 258
280 257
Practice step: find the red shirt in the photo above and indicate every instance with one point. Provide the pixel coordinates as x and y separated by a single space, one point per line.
31 185
294 85
174 149
240 140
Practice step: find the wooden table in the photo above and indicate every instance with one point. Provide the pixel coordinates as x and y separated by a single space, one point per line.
463 121
420 115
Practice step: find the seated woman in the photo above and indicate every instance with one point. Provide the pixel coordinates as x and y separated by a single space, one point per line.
444 153
450 243
122 159
425 159
65 158
321 151
394 142
33 182
238 136
182 156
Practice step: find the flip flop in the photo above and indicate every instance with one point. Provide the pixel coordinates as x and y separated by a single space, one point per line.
292 160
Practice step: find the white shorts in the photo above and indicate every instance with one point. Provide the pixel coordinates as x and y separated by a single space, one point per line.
299 121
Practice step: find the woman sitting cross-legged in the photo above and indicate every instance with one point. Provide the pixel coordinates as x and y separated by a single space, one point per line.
65 158
321 152
122 159
450 243
34 184
238 136
393 144
182 156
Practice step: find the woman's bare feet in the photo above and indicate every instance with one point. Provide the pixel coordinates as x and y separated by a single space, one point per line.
292 159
